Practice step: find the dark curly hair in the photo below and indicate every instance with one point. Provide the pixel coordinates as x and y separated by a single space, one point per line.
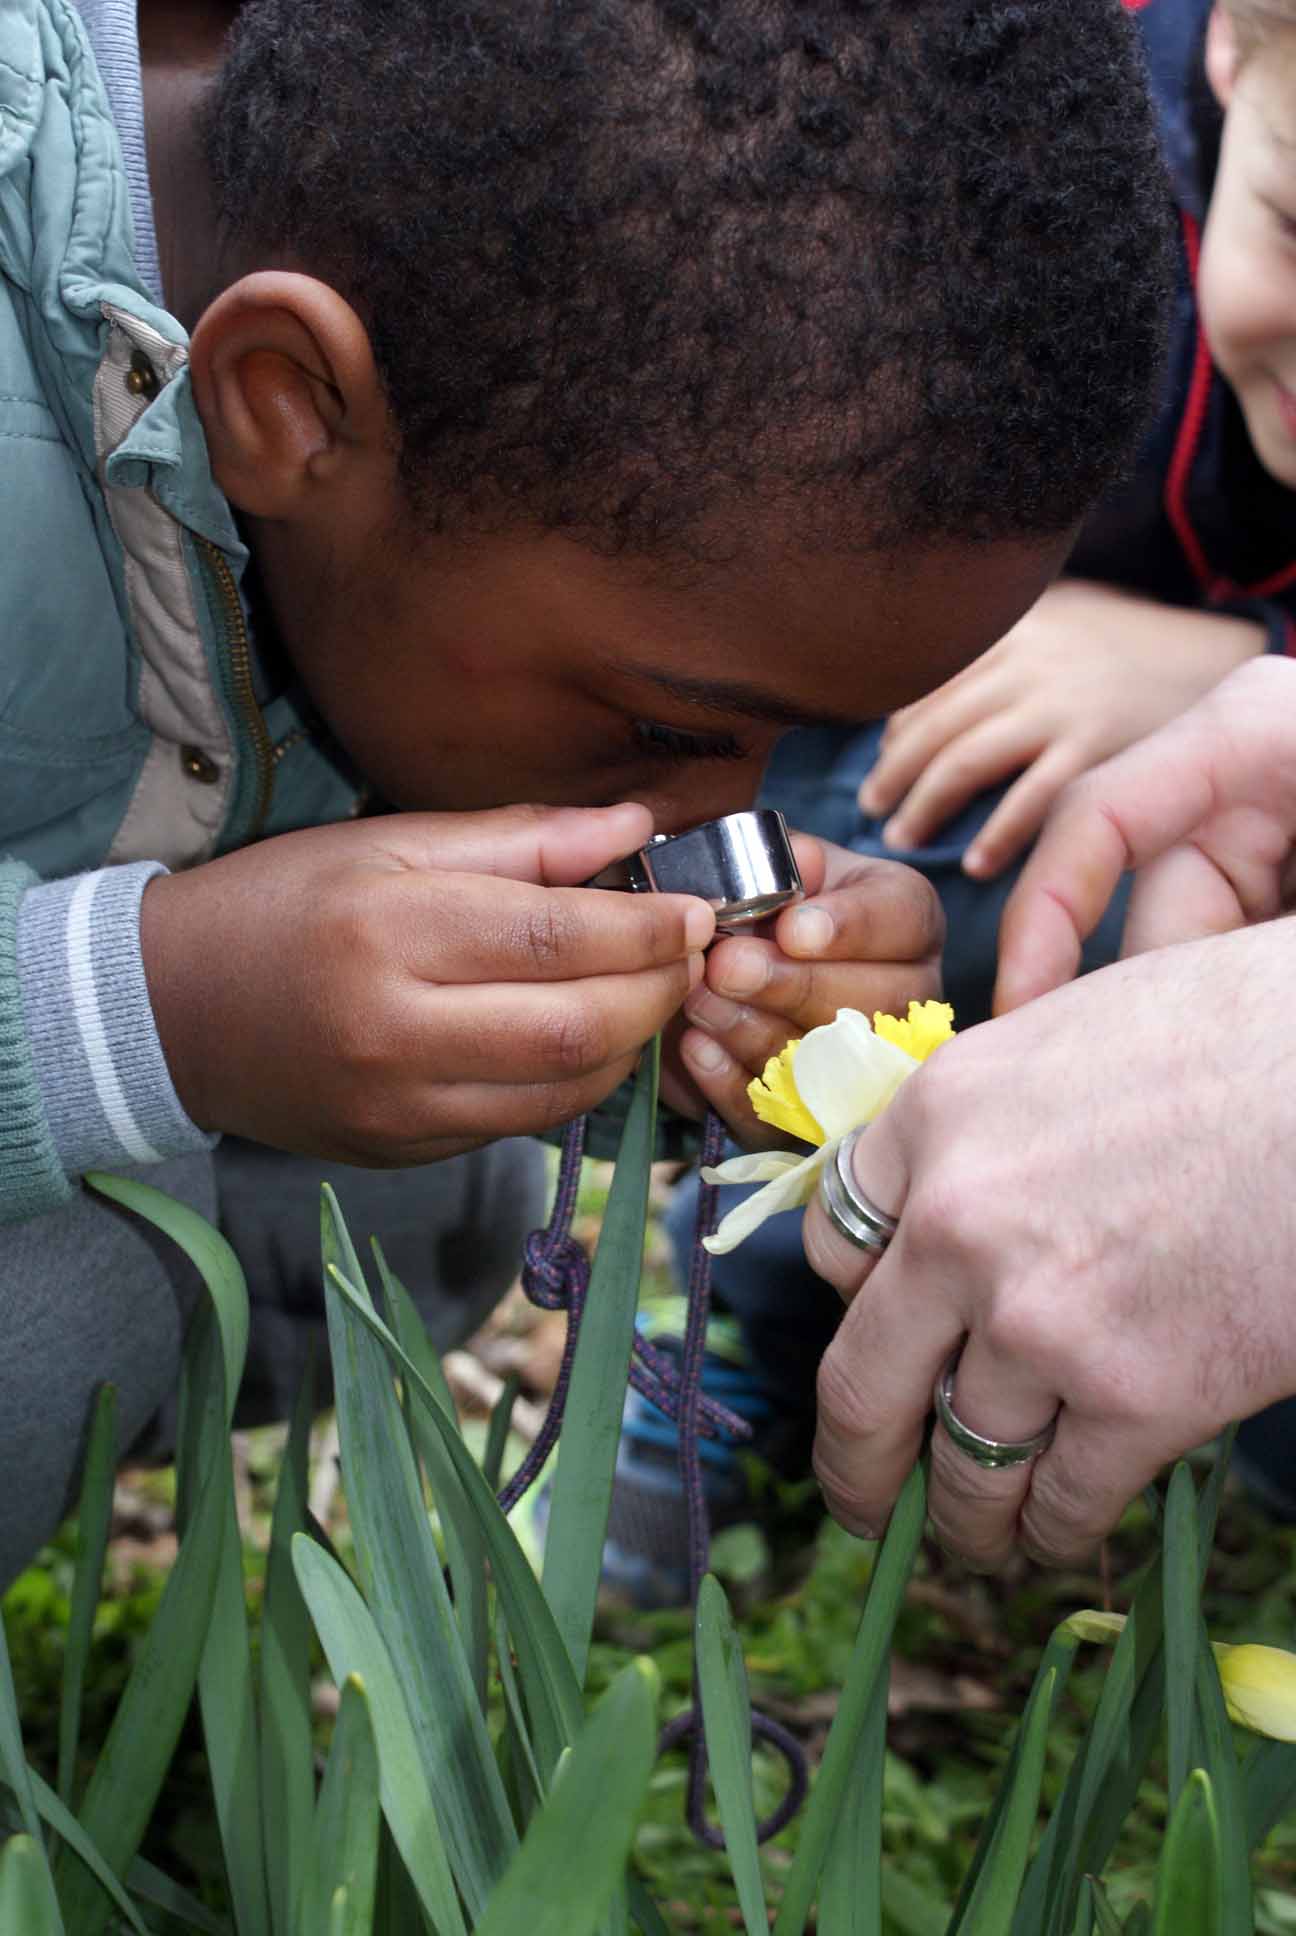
895 267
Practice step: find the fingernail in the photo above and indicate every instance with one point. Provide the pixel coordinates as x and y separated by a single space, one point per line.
699 925
975 860
895 834
868 800
711 1011
812 930
703 1053
743 971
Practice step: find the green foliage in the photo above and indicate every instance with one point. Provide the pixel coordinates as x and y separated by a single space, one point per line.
487 1771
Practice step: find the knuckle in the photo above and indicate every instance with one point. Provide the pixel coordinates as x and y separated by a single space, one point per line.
546 934
840 1400
571 1040
1058 1527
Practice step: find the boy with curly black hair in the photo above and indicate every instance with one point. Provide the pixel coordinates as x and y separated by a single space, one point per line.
451 408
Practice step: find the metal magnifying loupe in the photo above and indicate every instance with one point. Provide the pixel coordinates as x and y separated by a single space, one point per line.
741 864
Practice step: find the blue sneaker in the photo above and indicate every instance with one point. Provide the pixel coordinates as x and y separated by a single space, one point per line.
646 1556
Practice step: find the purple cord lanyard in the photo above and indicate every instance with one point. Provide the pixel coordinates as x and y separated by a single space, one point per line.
555 1276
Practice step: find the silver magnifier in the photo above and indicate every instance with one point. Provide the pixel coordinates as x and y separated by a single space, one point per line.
741 864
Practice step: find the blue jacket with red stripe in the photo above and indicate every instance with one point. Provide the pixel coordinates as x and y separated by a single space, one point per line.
1201 522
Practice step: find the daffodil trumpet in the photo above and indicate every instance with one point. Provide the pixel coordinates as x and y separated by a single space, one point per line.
818 1088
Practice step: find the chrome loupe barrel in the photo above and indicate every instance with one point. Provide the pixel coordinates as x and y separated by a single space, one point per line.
743 865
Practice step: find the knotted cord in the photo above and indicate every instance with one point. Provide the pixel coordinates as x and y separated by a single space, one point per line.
555 1277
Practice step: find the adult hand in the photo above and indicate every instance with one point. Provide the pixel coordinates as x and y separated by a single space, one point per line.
1088 670
1205 810
396 990
868 936
1095 1203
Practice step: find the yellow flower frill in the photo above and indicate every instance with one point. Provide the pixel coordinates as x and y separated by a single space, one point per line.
926 1026
775 1098
820 1087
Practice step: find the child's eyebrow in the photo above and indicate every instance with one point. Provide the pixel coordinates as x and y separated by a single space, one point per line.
734 696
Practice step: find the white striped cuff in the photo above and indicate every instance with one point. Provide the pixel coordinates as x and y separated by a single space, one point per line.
104 1082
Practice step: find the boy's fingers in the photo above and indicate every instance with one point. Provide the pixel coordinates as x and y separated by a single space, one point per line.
511 1033
868 910
551 846
722 1081
464 928
803 996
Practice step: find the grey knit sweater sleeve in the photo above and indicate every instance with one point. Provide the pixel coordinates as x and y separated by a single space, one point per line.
83 1080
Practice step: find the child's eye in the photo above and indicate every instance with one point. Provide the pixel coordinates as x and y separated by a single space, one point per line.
675 745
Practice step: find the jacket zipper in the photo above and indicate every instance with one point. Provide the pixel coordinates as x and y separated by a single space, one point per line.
240 680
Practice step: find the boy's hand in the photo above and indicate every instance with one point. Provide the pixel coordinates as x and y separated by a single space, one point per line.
397 990
1088 670
868 936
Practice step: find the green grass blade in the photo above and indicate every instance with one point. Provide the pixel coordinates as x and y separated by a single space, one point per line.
1220 1761
647 1916
869 1662
94 1519
1188 1880
1056 1660
1180 1600
726 1716
994 1900
548 1682
582 1486
353 1645
397 1911
345 1847
573 1856
912 1911
287 1751
54 1812
529 1781
850 1888
501 1419
1086 1912
1268 1787
1105 1921
13 1762
28 1905
160 1892
400 1570
464 1548
212 1369
216 1263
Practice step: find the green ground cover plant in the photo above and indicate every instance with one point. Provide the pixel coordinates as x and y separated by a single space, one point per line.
491 1765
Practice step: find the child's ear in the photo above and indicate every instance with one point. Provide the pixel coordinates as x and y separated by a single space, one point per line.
1221 55
286 386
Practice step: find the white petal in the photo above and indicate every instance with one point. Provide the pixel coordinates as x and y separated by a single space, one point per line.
763 1167
789 1190
845 1074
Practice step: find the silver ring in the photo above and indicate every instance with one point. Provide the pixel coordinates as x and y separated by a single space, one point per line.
849 1210
986 1452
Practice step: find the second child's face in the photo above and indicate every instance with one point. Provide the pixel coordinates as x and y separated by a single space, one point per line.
1247 284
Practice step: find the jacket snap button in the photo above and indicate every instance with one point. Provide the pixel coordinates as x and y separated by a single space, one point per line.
141 378
199 765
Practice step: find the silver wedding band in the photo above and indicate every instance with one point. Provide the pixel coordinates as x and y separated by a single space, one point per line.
991 1453
848 1209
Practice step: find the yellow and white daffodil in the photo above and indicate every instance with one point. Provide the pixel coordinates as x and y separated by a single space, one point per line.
1259 1683
820 1087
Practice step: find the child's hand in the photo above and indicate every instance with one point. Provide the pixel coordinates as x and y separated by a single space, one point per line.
1089 670
397 990
868 936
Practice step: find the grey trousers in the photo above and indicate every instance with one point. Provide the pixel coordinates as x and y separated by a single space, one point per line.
90 1295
